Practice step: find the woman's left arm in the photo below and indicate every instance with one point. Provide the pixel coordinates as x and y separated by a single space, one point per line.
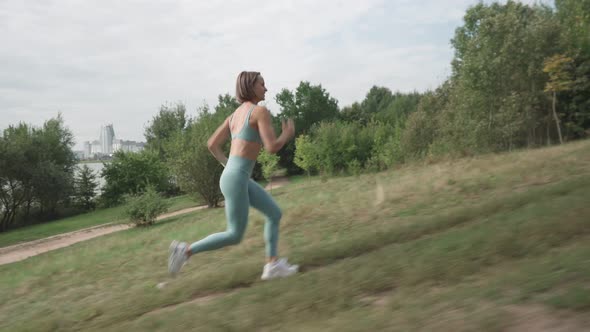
216 141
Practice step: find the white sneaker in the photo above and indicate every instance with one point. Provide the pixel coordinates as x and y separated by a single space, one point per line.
177 256
171 249
278 269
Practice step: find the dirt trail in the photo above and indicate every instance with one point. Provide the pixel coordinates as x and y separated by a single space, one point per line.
21 251
25 250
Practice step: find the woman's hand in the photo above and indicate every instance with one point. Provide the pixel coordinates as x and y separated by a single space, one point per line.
289 128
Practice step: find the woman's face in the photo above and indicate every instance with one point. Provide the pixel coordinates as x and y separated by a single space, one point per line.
259 88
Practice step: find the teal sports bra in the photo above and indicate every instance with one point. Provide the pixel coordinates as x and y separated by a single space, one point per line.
247 133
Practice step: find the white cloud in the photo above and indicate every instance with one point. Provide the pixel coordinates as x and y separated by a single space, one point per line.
117 61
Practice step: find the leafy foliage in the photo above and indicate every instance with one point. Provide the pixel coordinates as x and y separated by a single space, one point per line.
85 188
131 173
168 123
36 171
143 209
269 164
195 169
307 105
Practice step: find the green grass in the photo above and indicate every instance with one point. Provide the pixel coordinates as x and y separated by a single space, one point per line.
94 218
479 244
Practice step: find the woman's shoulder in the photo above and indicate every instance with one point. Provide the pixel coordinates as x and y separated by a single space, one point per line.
260 111
260 108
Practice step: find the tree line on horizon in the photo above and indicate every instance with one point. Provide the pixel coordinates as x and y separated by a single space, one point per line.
520 79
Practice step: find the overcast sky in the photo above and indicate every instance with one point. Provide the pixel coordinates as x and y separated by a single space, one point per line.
117 61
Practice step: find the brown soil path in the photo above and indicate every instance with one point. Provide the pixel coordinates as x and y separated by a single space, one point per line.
21 251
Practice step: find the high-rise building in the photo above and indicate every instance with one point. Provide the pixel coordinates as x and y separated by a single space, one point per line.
108 144
95 148
87 150
107 135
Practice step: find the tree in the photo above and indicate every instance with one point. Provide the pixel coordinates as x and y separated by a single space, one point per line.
131 173
36 170
499 54
85 188
306 155
168 123
226 105
353 113
55 163
399 108
269 164
308 105
559 69
195 169
376 100
575 18
15 172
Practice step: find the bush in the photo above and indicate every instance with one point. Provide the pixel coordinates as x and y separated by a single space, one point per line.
142 210
337 147
354 167
306 156
269 163
331 145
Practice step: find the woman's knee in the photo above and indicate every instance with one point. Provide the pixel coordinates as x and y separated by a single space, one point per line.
272 213
234 238
275 215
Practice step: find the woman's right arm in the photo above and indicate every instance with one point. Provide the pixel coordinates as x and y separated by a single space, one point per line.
271 143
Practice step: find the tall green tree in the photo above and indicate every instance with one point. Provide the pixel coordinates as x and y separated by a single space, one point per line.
131 173
307 105
85 188
399 108
497 76
54 174
353 113
16 185
574 16
163 128
376 100
226 105
559 68
195 169
36 170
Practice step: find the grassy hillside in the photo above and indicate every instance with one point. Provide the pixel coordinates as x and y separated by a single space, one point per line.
492 243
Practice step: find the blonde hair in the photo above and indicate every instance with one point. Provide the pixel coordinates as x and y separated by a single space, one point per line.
245 85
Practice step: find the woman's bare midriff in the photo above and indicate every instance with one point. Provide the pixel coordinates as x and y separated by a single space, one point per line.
244 149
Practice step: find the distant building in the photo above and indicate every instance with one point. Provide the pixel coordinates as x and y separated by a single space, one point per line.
107 144
107 135
87 151
127 146
96 148
117 145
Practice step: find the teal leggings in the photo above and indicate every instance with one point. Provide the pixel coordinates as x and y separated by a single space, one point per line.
240 193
